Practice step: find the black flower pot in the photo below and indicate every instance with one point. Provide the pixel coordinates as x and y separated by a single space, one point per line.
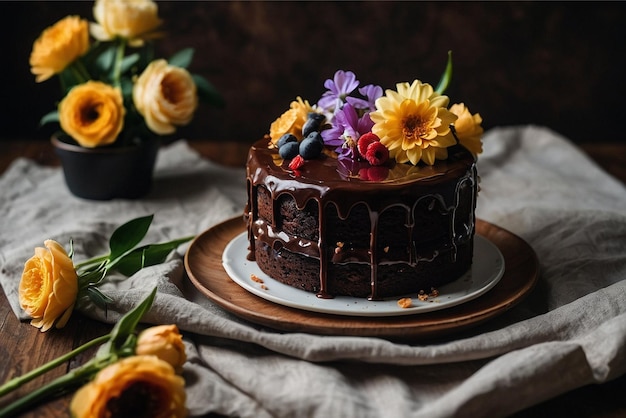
109 172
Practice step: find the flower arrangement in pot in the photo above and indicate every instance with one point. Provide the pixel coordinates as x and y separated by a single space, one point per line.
118 99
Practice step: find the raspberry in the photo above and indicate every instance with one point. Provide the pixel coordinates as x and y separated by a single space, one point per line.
364 141
377 153
297 162
377 173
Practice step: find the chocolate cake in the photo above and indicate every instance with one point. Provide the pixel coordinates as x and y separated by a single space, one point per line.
335 207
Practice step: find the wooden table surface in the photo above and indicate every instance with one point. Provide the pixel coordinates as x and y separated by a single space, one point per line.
23 347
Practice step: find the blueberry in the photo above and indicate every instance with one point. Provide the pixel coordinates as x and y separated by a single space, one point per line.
316 136
311 125
286 138
317 116
310 147
289 150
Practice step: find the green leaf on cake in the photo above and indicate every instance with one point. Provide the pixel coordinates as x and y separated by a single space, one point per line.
446 77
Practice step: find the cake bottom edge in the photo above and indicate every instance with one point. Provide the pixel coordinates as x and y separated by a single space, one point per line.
354 279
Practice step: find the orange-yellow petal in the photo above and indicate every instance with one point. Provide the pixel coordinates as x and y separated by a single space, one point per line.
58 46
49 286
468 128
92 114
411 122
134 386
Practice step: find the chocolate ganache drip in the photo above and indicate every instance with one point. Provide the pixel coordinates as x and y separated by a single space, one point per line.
385 220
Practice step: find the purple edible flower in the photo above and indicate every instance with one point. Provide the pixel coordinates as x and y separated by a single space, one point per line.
371 92
340 87
345 131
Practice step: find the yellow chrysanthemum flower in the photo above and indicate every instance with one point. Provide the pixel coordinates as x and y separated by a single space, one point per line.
468 128
292 120
413 123
58 46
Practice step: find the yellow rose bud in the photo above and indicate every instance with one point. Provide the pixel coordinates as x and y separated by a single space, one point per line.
138 386
165 342
58 46
130 19
92 114
49 285
166 96
468 128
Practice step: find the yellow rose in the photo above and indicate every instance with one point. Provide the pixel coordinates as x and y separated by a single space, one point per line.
130 19
468 128
135 386
92 114
166 96
285 124
291 121
49 286
165 342
58 46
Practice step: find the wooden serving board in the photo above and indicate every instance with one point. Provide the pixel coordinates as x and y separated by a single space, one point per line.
203 262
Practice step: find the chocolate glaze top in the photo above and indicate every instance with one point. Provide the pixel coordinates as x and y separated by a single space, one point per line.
345 183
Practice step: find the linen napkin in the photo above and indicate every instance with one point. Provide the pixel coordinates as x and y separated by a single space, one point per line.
534 183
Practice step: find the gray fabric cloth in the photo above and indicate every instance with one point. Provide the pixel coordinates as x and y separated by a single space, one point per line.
533 183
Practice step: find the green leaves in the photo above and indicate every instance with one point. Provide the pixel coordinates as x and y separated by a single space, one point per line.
182 58
122 339
97 297
446 77
207 91
127 236
124 257
107 62
49 117
148 255
127 324
103 63
129 62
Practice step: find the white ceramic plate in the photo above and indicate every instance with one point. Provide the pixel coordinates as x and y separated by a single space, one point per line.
487 269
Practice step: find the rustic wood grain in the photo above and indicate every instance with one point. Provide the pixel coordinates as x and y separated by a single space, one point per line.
23 348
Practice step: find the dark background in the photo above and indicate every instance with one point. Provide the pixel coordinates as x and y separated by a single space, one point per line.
546 63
